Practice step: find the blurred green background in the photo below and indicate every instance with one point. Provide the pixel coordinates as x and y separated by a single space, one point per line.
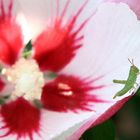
124 125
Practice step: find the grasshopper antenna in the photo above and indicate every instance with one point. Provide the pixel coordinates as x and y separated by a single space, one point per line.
131 61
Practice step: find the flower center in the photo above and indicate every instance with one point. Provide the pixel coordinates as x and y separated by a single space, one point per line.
27 79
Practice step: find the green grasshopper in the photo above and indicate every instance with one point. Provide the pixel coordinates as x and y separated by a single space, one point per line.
130 82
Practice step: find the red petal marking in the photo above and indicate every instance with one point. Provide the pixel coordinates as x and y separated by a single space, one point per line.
69 93
10 41
10 36
57 45
20 118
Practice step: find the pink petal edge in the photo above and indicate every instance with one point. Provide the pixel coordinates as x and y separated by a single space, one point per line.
134 5
105 116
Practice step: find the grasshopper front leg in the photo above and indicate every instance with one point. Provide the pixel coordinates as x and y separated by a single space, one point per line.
120 81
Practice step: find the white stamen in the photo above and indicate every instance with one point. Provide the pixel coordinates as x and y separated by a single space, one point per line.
67 93
9 78
27 78
65 87
3 71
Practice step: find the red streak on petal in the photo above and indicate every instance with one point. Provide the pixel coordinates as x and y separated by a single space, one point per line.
10 8
57 45
69 93
65 9
11 41
3 13
20 118
2 9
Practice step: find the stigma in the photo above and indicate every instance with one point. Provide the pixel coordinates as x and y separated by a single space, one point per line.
27 79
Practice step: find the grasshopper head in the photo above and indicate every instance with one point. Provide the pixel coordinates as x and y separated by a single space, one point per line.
135 69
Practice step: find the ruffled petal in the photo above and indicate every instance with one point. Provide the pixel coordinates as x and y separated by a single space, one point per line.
111 37
20 119
134 5
10 36
101 55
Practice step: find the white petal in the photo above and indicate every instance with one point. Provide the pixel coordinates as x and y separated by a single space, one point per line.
134 5
38 13
112 36
34 12
55 123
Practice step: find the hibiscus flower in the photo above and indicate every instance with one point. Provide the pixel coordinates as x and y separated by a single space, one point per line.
61 81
